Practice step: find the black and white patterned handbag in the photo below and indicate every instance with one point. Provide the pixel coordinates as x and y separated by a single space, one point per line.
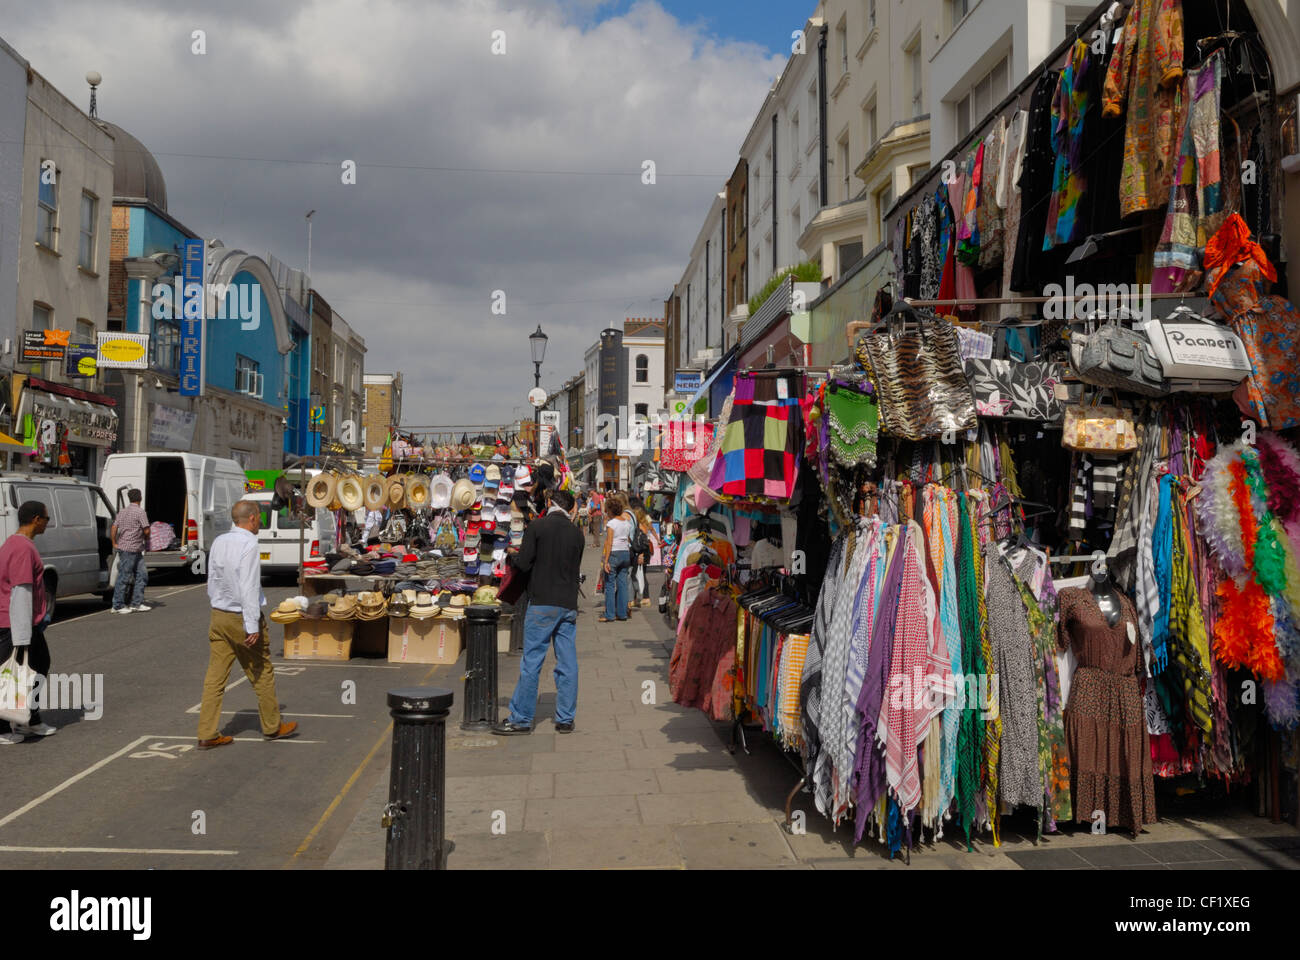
1016 391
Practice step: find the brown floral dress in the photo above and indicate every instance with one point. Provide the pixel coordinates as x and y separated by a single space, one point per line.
1105 728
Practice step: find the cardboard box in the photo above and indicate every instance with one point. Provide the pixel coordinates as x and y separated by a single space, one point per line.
423 641
318 640
370 637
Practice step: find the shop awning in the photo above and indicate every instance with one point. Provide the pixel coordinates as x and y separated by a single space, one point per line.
717 371
9 443
90 423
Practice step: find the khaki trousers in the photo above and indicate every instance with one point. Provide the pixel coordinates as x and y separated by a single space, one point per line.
226 642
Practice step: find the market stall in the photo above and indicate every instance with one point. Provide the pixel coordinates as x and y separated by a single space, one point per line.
1033 550
423 532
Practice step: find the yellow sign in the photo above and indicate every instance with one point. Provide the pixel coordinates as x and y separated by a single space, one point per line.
86 366
121 351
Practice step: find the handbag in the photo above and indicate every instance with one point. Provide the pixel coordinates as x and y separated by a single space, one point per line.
1119 358
918 377
1016 391
16 682
1099 428
1199 355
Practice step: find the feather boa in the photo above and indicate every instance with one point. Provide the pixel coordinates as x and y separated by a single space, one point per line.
1218 515
1270 559
1281 466
1282 703
1243 634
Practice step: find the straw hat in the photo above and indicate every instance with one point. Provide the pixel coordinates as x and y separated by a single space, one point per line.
372 491
417 491
351 494
463 495
345 608
460 600
287 612
321 490
485 596
371 606
424 607
396 492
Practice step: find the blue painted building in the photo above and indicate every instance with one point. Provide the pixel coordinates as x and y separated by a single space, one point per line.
256 334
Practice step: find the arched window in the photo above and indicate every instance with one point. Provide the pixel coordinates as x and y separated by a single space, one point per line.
642 368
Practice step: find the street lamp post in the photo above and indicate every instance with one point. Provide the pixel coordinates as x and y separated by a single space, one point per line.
537 341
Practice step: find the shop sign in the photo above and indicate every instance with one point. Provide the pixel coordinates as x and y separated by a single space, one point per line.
81 360
191 371
243 424
44 346
171 428
126 351
688 383
89 423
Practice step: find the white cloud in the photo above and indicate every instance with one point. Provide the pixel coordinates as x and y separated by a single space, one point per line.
403 87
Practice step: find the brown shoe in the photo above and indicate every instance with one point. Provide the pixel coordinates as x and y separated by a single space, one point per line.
286 730
218 741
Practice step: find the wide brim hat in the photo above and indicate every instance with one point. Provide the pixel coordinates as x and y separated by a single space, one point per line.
440 488
284 489
396 492
485 597
399 607
321 490
287 612
345 608
350 492
424 607
374 490
463 495
370 606
417 491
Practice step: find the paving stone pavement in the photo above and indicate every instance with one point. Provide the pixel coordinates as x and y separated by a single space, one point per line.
645 784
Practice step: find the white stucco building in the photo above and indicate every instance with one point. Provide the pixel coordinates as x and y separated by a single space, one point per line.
13 128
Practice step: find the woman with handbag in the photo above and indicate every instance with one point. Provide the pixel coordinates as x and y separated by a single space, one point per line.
617 558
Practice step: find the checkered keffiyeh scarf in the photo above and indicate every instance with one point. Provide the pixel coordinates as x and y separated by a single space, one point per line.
810 684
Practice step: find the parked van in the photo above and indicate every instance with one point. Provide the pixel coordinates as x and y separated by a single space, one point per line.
76 546
193 493
281 532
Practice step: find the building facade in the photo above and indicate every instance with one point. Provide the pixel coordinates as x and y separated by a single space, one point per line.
382 409
13 133
62 279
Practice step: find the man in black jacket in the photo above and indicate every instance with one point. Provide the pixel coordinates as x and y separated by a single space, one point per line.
552 553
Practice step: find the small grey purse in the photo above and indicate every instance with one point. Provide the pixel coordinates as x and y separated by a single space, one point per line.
1120 358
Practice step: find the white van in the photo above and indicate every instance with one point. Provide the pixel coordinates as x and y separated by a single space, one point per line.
192 492
76 546
281 533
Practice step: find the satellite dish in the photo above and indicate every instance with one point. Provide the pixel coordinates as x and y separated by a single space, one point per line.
537 396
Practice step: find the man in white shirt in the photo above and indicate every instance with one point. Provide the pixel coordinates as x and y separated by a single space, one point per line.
238 629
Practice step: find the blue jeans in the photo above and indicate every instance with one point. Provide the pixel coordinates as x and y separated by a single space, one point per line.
542 627
130 567
616 599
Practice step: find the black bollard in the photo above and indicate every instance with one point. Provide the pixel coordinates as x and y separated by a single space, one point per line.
480 711
417 783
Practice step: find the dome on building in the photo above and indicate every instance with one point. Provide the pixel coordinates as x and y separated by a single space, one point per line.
136 174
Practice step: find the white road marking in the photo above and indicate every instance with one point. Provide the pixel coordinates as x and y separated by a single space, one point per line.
73 779
97 613
237 739
147 850
286 713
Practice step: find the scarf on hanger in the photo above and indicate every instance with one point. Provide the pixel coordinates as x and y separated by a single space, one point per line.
1231 245
1162 545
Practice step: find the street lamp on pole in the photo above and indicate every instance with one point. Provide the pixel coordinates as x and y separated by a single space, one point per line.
537 341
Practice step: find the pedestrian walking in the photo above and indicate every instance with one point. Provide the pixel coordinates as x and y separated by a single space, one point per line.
552 551
130 534
237 630
23 610
617 558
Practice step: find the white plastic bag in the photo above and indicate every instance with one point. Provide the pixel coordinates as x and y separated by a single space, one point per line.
16 682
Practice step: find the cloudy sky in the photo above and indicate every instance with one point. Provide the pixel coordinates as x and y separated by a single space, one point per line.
475 172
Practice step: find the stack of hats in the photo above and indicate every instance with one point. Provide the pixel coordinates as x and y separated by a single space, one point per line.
485 597
424 607
343 608
289 610
371 606
454 607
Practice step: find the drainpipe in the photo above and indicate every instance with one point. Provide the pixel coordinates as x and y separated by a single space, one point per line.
821 111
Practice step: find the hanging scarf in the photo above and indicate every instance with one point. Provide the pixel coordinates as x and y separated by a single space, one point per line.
1162 544
972 664
1231 245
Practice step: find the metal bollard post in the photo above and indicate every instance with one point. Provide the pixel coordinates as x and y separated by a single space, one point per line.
417 792
480 711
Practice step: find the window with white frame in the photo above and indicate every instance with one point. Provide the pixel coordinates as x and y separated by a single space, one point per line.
843 160
884 200
916 173
167 346
248 378
42 317
86 247
642 368
812 112
912 59
957 10
985 94
842 43
47 207
869 121
794 140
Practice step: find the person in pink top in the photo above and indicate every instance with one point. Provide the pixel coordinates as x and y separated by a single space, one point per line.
23 608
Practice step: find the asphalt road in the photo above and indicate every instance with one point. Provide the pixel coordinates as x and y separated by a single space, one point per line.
128 789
